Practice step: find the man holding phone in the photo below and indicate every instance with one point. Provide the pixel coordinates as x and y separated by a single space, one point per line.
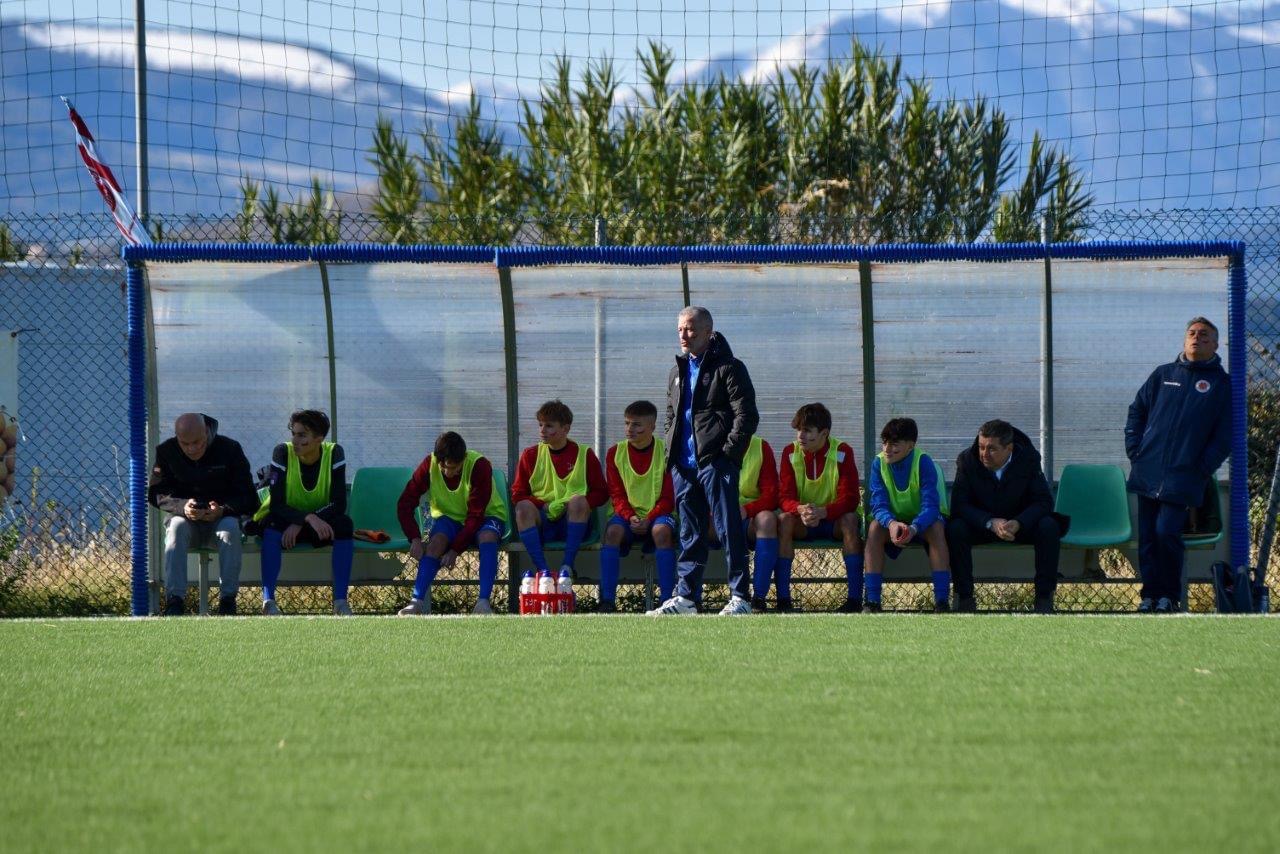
202 480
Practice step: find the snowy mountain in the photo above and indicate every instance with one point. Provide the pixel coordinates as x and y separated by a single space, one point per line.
1175 107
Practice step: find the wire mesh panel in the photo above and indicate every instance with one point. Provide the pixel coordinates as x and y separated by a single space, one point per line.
1114 322
245 343
798 330
419 350
567 318
958 344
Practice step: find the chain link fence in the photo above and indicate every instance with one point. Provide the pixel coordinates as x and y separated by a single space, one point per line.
64 534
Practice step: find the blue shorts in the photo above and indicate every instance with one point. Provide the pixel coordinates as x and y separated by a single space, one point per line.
558 531
450 527
891 551
824 530
628 538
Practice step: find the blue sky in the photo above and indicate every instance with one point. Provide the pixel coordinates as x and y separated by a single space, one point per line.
444 44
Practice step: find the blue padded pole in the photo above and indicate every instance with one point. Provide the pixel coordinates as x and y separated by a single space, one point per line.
135 298
1238 354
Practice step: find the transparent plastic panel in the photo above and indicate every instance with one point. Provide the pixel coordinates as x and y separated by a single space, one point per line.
244 343
1113 323
420 351
73 383
798 329
958 344
570 318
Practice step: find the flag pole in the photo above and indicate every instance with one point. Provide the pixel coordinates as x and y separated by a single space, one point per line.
140 109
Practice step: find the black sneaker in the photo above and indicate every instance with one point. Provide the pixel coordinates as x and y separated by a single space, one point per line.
607 606
966 605
759 606
874 607
943 607
1044 604
1166 606
850 606
227 606
174 606
785 606
1146 606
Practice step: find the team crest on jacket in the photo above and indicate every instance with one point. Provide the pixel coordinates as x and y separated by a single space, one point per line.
1202 386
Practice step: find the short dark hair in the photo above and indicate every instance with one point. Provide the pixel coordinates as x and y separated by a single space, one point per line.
313 419
813 415
1206 321
900 430
554 410
641 409
1001 431
450 447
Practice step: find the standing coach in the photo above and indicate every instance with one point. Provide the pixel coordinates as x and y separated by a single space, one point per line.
711 417
1178 433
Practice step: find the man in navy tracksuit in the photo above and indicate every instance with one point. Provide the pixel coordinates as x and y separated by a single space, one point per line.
711 417
1178 433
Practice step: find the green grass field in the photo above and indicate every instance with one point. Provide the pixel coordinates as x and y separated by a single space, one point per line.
886 731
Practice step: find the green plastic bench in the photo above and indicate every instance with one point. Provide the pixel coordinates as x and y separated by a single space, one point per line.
1096 499
375 492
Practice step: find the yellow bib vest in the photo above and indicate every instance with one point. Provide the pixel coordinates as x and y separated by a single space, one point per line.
822 491
643 490
905 504
295 494
554 491
749 474
453 502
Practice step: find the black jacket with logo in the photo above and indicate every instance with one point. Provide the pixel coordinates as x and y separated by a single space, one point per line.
724 406
1179 430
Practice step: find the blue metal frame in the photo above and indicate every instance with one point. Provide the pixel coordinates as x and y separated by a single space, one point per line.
507 257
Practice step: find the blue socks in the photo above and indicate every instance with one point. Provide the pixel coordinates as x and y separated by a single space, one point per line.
272 551
853 576
941 585
488 567
573 536
766 560
666 560
609 561
428 566
343 551
782 572
532 539
875 581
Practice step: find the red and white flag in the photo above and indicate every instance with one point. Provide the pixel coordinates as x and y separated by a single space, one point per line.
126 220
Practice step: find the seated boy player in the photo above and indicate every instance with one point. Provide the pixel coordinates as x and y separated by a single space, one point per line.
465 508
907 503
643 500
557 485
818 487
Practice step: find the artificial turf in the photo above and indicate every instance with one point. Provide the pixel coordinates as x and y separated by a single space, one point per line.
608 733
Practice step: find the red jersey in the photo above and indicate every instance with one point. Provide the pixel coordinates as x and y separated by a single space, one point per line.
640 462
847 496
420 484
563 462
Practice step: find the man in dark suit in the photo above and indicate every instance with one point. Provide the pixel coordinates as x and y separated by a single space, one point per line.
1001 495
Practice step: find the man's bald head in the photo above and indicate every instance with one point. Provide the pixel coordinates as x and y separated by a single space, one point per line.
192 434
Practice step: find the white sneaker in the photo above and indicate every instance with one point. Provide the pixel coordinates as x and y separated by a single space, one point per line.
737 607
270 608
674 605
482 607
416 607
341 608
